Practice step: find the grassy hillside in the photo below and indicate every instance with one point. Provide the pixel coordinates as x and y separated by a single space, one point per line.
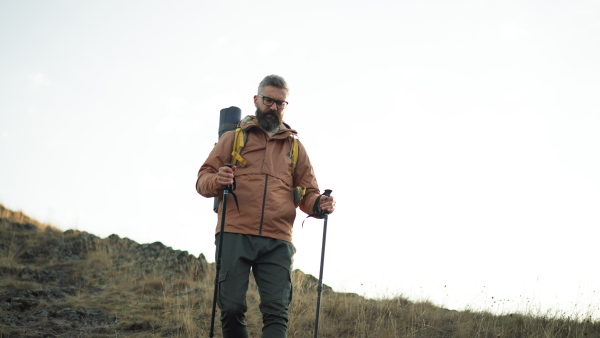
74 284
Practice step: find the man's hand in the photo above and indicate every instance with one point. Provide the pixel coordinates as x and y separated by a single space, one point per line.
327 203
225 175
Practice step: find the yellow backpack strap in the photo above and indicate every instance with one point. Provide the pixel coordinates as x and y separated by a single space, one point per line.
294 152
238 145
298 191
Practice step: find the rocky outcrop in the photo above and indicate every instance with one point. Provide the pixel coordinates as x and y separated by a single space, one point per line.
43 272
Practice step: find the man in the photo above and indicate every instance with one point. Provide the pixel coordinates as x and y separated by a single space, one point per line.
258 236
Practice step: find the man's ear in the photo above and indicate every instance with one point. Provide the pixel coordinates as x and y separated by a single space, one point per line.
256 101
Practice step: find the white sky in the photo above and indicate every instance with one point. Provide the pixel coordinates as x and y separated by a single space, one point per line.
460 138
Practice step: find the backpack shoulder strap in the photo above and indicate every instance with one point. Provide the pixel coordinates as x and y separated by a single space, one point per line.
293 141
239 141
298 191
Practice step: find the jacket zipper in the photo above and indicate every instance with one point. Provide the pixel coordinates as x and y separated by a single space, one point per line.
262 215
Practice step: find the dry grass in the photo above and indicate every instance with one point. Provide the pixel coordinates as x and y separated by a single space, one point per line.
20 217
149 303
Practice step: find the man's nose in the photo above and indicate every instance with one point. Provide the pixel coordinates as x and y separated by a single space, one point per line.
273 106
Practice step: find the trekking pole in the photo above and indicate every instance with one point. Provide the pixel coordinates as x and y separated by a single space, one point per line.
219 252
320 285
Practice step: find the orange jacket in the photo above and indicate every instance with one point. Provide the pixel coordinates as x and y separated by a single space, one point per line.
264 187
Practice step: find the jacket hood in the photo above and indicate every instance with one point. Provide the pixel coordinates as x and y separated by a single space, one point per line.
250 122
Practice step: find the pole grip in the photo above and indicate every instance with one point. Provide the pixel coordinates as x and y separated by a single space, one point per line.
228 187
327 192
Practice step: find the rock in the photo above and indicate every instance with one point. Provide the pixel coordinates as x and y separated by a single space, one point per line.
46 268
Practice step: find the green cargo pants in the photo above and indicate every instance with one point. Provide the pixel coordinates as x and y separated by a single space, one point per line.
271 263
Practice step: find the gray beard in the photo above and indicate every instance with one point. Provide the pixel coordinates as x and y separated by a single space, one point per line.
268 124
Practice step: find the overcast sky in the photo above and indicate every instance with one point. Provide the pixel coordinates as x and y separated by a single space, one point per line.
460 138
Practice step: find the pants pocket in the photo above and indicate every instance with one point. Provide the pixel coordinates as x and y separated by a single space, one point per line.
286 296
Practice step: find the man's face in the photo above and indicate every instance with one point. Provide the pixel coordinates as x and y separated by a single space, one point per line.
270 117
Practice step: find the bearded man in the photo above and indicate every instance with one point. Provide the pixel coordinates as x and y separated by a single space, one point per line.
257 232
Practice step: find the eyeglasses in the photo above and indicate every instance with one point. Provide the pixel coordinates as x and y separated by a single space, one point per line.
269 102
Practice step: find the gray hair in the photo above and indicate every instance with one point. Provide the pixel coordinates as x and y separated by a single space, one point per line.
275 81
